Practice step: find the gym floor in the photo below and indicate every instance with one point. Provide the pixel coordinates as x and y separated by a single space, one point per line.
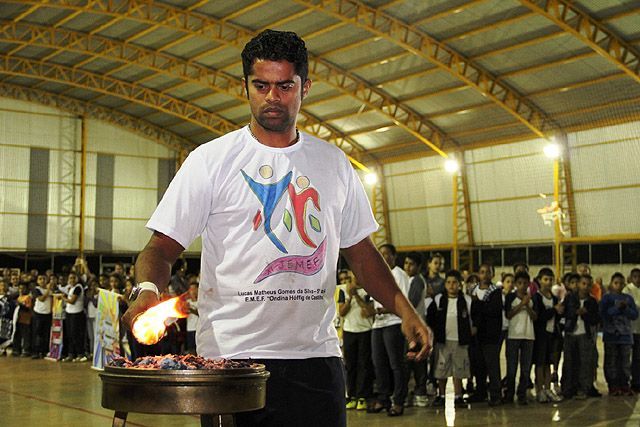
43 393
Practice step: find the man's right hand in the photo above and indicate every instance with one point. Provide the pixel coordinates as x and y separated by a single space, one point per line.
145 300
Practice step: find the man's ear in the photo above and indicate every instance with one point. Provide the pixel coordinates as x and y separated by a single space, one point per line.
305 88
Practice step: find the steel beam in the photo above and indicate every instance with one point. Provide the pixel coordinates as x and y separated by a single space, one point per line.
568 16
165 64
81 108
125 90
423 45
189 22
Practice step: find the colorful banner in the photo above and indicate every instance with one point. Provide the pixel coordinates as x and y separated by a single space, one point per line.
55 337
107 329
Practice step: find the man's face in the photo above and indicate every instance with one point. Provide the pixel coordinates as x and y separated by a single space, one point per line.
435 265
15 279
388 256
343 278
573 285
546 282
485 274
275 94
452 286
521 285
617 284
42 280
635 278
410 267
72 279
583 269
584 285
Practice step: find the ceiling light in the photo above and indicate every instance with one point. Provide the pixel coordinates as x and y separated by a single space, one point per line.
371 178
552 150
451 165
382 129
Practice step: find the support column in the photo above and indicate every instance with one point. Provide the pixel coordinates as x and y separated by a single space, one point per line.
83 184
462 242
380 211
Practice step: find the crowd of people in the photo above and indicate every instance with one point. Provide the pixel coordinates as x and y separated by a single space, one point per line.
540 321
547 325
26 311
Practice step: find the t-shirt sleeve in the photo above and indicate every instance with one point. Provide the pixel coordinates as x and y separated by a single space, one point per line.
341 297
185 207
358 221
77 290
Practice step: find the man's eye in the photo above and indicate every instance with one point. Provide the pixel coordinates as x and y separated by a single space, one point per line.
286 87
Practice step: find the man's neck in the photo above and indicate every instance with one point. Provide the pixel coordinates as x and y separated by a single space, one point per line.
282 139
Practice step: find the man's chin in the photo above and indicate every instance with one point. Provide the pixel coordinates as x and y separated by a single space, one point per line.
275 124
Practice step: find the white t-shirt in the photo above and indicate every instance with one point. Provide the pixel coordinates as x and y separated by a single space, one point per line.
192 319
521 325
353 321
272 222
580 328
42 307
78 306
548 303
390 319
451 325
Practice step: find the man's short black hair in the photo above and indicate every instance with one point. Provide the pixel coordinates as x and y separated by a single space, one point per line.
415 257
454 273
274 45
389 246
545 271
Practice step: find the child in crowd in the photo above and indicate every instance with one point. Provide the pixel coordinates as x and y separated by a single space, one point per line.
192 319
417 296
41 320
449 315
548 309
91 309
435 282
633 289
617 310
581 319
356 307
486 311
6 317
75 322
521 313
22 335
507 288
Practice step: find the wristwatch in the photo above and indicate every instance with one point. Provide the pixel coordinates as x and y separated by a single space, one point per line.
144 286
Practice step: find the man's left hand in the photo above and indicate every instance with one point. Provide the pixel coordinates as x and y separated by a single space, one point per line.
419 337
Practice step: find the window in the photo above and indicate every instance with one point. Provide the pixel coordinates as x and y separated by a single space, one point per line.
540 255
513 256
605 254
492 257
631 253
583 254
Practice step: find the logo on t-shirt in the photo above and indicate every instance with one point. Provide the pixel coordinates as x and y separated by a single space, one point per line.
270 195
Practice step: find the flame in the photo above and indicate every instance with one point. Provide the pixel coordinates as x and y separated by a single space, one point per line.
149 327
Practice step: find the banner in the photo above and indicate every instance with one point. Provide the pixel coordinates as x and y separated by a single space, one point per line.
55 337
107 329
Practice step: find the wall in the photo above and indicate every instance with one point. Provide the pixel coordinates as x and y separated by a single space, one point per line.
40 176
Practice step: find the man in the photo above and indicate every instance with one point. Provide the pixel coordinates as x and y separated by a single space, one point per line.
273 206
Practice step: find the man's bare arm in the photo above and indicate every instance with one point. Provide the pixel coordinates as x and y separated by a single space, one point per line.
153 265
373 273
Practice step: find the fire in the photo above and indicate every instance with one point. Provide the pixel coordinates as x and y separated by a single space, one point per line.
149 327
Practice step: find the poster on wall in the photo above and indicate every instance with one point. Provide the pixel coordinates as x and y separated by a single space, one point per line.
107 329
55 336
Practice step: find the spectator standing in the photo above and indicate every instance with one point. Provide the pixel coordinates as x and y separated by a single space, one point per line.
618 311
633 289
41 320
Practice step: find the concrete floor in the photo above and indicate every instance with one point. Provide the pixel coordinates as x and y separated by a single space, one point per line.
42 393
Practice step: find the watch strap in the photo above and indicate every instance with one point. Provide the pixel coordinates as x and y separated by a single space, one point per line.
147 286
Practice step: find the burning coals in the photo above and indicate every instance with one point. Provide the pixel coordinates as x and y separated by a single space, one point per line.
170 361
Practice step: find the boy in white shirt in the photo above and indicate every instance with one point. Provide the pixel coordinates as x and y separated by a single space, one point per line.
521 313
192 319
450 317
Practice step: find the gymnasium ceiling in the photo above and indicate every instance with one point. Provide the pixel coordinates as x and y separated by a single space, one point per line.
392 79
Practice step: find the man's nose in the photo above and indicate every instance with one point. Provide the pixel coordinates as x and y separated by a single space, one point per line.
273 95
